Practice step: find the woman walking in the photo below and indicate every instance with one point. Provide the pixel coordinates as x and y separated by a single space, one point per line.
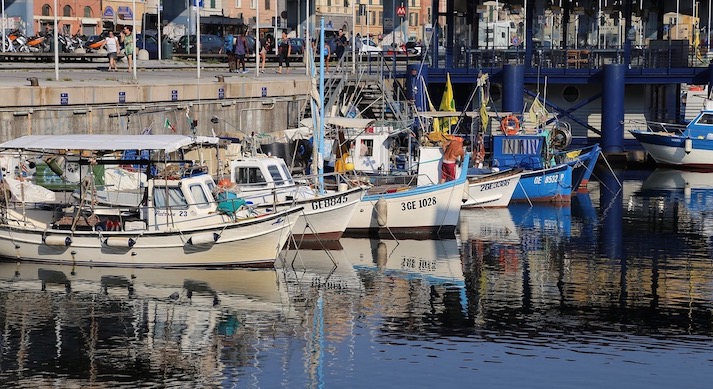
111 44
127 38
283 51
266 48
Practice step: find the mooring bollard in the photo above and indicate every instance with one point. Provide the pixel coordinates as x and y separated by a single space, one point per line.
33 81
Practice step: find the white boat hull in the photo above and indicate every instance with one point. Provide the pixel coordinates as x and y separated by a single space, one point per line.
495 191
324 217
251 242
428 210
667 149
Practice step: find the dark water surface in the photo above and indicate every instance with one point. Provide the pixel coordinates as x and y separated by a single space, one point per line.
614 291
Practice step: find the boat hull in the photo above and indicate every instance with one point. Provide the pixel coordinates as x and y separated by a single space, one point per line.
323 218
418 212
492 191
545 185
583 166
668 149
254 242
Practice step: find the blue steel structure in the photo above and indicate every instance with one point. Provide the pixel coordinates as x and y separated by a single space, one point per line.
668 62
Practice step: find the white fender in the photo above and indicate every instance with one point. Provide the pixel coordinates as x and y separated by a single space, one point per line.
688 145
381 212
119 241
205 238
57 240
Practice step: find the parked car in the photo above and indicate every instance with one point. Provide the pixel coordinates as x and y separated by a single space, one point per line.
413 48
148 43
298 45
368 46
210 44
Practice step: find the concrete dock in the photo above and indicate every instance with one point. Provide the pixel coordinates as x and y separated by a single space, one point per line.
86 98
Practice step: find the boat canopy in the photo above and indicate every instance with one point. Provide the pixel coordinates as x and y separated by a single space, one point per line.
94 142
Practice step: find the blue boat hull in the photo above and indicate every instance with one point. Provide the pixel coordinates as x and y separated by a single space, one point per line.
545 185
583 166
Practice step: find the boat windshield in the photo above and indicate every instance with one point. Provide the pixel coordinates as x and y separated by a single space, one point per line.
249 175
275 174
169 197
705 119
199 196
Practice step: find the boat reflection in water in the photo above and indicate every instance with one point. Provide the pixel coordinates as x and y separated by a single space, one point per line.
138 322
421 274
688 195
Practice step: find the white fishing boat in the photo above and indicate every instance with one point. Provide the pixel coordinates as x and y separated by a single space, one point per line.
427 209
689 147
492 190
179 223
267 183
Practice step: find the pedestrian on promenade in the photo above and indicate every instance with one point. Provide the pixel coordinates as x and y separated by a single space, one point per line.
266 48
228 47
111 45
241 47
127 38
341 45
283 52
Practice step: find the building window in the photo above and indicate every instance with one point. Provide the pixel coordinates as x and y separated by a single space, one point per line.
46 10
253 4
212 3
267 4
87 12
238 4
67 11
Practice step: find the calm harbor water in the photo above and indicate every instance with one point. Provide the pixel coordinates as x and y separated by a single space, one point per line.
614 290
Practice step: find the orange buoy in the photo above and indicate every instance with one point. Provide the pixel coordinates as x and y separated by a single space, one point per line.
510 125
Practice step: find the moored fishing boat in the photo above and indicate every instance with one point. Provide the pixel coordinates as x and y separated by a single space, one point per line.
689 147
403 210
267 183
179 222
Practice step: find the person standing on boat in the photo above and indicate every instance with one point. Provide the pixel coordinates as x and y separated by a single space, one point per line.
453 153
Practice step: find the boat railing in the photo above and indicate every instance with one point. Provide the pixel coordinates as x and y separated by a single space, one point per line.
674 128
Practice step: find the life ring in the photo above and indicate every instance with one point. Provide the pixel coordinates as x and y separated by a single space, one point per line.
510 125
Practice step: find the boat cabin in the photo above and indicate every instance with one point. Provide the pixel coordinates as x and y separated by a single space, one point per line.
525 151
702 126
260 173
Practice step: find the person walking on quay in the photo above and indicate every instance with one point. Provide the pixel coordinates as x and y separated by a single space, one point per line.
228 46
241 47
111 45
266 48
341 45
127 38
453 153
283 52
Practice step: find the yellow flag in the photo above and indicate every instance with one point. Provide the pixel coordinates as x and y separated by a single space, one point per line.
448 103
436 122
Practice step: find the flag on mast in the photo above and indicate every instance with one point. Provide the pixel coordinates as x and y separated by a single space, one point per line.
448 102
169 125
